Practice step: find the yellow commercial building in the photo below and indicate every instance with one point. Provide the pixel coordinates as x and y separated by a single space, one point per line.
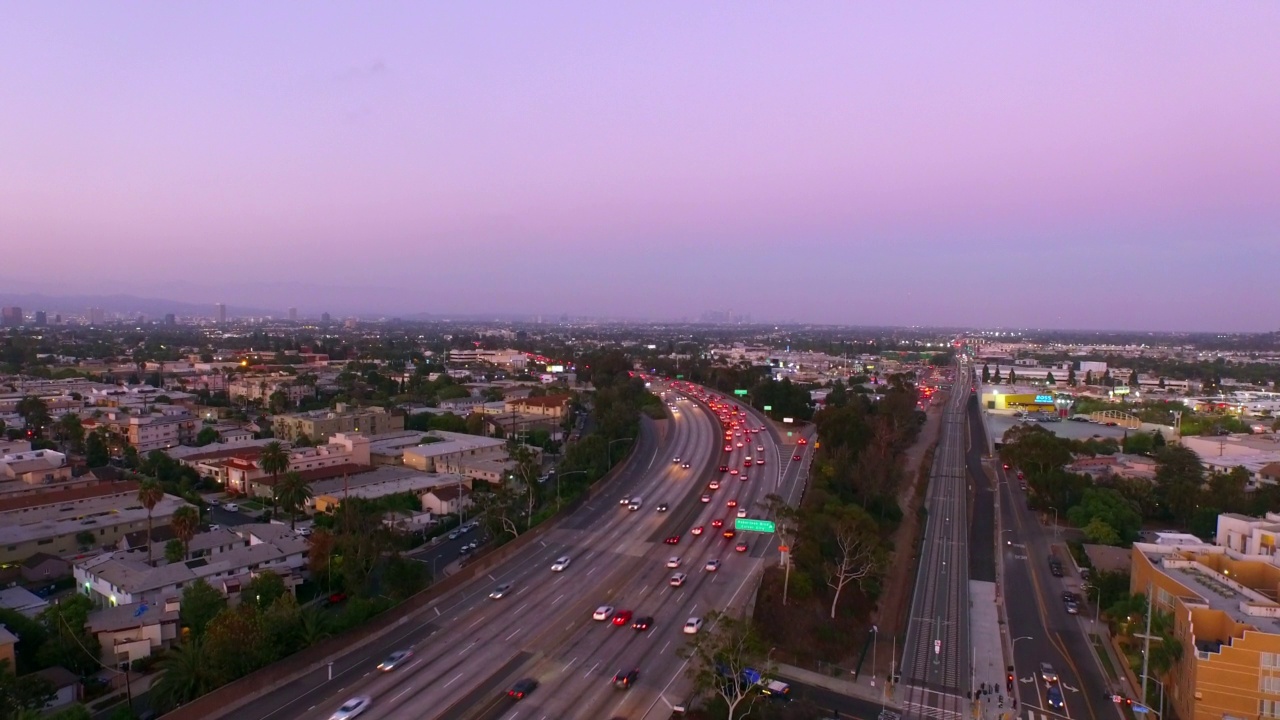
994 399
1228 621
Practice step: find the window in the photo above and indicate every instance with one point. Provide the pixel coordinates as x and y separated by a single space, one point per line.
1268 708
1268 660
46 541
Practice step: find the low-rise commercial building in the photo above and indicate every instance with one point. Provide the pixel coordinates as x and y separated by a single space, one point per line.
381 482
452 448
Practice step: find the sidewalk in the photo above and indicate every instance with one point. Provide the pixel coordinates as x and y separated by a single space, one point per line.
860 688
987 654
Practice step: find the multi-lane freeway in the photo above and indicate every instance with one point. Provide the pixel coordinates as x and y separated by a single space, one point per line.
468 649
935 664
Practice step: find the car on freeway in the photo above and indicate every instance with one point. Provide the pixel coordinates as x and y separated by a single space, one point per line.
732 503
686 466
759 448
604 612
739 444
724 468
712 565
678 579
1054 696
673 561
743 477
728 448
728 534
760 461
622 617
802 441
733 471
395 660
561 563
713 485
673 540
352 708
1072 608
1047 674
663 507
705 498
742 512
717 523
697 530
741 546
692 626
626 500
521 688
642 623
676 460
624 679
500 591
795 457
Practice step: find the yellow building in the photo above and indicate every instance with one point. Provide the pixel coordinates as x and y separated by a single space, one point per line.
1228 621
996 399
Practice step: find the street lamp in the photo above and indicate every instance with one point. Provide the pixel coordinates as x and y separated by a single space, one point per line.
609 451
559 477
1055 523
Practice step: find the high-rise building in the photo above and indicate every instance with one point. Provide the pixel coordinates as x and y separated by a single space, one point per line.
97 316
293 314
221 313
170 319
42 318
324 318
11 316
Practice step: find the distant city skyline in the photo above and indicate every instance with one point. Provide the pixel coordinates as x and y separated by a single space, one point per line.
1091 165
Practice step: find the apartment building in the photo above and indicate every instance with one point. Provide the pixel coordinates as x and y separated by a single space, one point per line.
34 467
57 522
453 448
239 473
320 424
1227 619
227 559
551 406
260 388
152 431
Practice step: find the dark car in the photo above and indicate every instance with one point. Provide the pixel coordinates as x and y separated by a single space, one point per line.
624 679
673 540
642 623
522 688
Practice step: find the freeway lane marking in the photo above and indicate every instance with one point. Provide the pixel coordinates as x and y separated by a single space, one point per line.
664 647
455 678
508 638
402 692
521 608
553 602
593 669
478 620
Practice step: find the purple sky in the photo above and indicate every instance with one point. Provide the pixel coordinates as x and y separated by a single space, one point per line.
1070 164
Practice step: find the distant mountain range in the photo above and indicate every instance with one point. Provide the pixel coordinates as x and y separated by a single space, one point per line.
124 306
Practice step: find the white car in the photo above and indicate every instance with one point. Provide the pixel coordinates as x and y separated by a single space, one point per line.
560 564
742 512
678 579
692 626
712 566
673 561
232 507
759 448
500 591
352 708
604 612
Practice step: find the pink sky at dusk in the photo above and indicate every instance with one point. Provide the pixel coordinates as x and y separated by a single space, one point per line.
873 163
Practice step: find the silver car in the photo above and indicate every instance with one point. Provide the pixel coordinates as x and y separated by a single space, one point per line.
352 708
500 591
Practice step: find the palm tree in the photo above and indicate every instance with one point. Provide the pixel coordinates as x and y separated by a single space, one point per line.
150 494
292 493
185 675
185 522
274 460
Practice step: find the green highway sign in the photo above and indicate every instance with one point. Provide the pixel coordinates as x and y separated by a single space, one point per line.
739 392
679 377
767 408
753 525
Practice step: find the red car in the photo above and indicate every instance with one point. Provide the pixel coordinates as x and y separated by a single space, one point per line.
673 540
795 457
742 546
802 441
732 503
717 523
622 618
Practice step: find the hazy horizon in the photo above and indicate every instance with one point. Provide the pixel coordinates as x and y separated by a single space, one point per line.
1084 165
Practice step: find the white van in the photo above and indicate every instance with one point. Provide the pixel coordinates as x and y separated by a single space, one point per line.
635 503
